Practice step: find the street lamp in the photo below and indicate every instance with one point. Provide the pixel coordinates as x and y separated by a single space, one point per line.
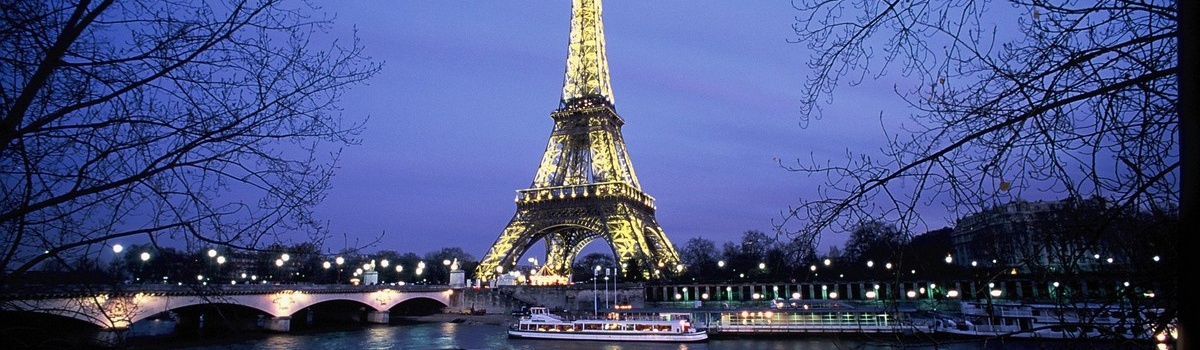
212 253
339 260
607 272
595 294
117 248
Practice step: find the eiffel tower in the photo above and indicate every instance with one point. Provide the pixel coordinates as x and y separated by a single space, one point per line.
585 187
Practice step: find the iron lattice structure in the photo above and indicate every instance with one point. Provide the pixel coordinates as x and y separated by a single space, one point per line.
585 187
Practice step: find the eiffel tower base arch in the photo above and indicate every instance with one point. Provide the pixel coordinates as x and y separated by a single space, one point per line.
567 225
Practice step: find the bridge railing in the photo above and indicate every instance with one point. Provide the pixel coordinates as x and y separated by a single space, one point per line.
67 291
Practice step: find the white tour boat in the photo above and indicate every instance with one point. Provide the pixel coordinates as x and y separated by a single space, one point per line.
541 324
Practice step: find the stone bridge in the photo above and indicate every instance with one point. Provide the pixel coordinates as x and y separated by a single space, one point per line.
115 310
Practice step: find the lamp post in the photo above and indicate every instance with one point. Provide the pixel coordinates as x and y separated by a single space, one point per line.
595 296
326 265
607 271
115 264
145 256
220 264
384 264
339 261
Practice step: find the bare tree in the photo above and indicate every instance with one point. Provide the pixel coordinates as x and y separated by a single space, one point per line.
1010 99
874 240
205 122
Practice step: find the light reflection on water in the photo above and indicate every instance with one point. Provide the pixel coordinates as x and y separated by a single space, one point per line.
430 336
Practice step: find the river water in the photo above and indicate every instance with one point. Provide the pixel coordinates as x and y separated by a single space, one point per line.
432 336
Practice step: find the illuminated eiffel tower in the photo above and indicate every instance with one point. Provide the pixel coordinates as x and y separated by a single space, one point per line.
585 187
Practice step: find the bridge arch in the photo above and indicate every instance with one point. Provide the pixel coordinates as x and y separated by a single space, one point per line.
122 310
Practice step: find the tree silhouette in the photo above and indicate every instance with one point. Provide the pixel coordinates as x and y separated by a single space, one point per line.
1078 100
210 123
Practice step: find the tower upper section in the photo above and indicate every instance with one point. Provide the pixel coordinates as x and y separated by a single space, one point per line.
586 82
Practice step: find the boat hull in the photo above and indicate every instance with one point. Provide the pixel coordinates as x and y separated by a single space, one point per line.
612 336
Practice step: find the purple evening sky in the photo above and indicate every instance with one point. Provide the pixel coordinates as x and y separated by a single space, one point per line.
460 115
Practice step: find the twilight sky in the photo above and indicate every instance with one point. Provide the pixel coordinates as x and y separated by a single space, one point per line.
460 115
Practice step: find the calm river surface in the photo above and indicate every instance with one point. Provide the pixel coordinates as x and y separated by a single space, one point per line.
426 336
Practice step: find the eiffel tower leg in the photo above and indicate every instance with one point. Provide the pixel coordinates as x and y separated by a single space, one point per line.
561 252
512 243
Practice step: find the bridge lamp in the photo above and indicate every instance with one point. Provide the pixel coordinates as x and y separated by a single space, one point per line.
145 256
366 267
285 257
212 253
384 263
420 265
340 260
326 265
117 248
399 268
